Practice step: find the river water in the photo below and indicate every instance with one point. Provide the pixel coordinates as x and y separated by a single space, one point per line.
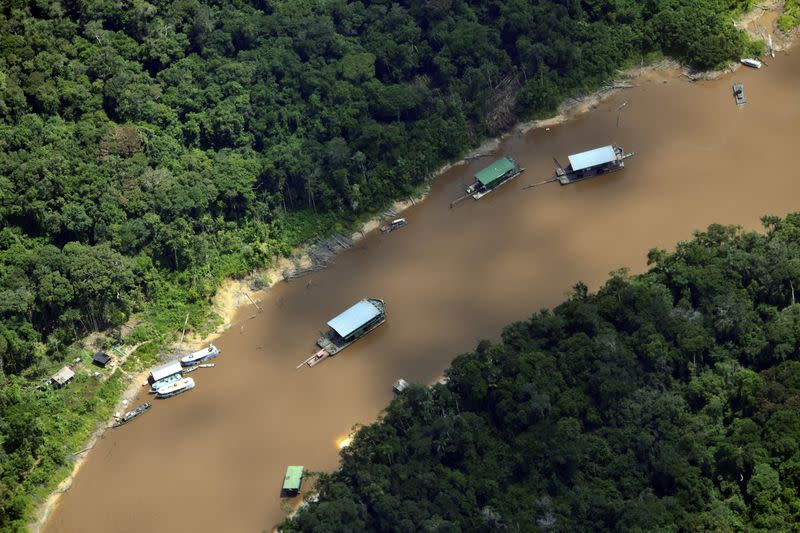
214 459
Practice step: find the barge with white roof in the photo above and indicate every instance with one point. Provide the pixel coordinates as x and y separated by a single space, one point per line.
592 163
348 327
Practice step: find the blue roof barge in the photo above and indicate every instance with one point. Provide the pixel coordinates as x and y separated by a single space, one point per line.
592 163
348 327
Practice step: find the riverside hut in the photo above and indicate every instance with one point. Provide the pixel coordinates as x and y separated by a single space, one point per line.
62 377
101 359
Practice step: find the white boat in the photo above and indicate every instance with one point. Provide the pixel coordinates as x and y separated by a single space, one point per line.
175 388
200 355
165 381
750 62
400 385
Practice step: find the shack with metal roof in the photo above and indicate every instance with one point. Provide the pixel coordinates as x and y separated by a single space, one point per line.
164 371
62 377
592 163
489 178
292 481
101 359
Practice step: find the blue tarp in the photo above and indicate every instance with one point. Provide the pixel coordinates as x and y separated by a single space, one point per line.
591 158
355 317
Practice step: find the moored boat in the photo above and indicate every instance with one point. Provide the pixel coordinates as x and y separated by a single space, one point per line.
130 415
750 62
175 388
200 355
393 225
165 381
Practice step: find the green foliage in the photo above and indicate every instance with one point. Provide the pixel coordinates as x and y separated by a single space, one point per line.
790 18
665 402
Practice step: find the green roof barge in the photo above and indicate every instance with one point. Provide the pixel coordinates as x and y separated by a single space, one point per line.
292 481
489 178
348 327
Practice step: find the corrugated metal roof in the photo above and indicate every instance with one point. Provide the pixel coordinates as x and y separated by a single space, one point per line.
293 479
495 170
591 158
63 375
355 317
160 372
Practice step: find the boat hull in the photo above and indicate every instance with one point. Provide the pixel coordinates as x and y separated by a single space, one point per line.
202 355
170 391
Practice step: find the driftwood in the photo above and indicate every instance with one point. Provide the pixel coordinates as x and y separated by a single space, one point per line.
321 255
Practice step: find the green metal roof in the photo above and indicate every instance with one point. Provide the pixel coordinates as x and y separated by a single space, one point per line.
294 476
495 170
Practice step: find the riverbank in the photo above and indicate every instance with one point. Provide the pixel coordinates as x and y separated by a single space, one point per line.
231 297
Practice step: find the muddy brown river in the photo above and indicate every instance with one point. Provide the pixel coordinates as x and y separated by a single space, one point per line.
213 459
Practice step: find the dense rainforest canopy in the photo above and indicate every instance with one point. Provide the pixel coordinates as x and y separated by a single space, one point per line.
665 402
149 149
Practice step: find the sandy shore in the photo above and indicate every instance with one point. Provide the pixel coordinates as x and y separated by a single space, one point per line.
236 294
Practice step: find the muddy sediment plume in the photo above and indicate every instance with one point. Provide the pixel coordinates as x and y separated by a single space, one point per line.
213 459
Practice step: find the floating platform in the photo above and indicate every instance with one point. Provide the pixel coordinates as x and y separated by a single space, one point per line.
592 163
348 327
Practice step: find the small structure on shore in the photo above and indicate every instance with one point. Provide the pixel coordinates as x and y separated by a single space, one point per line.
592 163
292 481
347 327
738 94
101 359
62 377
164 371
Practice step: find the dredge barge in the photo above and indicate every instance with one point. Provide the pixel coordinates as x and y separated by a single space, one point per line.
490 178
592 163
348 327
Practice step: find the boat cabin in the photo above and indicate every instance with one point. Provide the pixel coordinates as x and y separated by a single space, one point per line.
163 371
490 177
101 359
292 481
592 163
356 321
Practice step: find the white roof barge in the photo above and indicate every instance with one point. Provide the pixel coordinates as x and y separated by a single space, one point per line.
592 163
348 327
163 371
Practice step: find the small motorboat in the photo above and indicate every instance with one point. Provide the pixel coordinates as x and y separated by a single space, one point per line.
200 355
173 389
164 381
130 415
750 62
394 224
738 94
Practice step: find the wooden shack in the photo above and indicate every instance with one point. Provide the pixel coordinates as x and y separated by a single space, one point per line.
62 377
